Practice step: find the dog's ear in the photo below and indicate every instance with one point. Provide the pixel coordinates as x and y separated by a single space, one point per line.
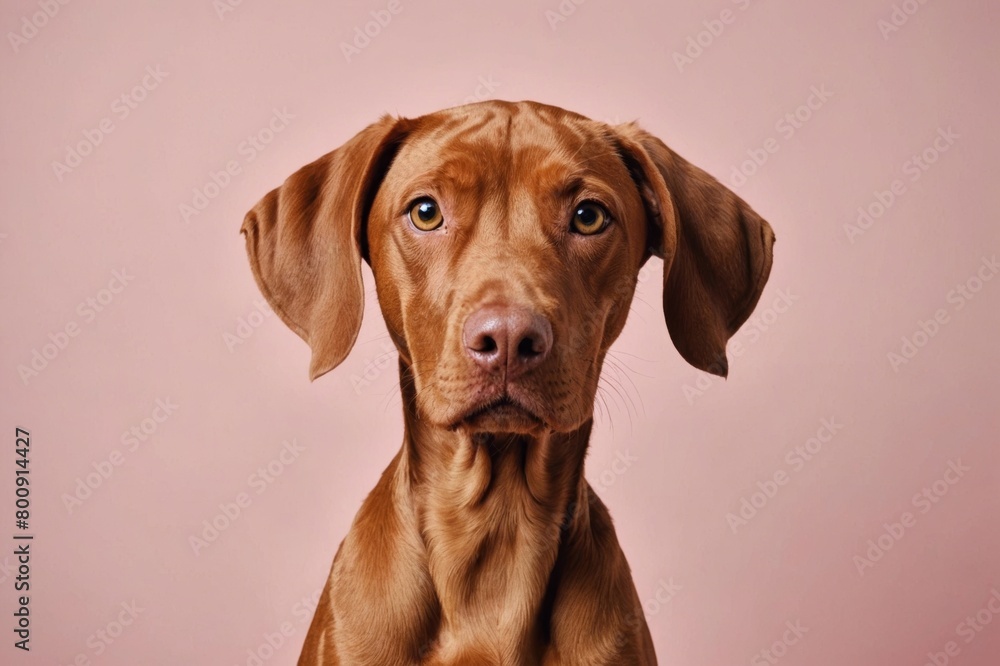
305 241
716 250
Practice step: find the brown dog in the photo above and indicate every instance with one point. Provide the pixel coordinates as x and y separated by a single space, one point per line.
505 240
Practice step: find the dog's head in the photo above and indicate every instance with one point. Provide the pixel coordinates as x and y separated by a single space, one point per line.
506 241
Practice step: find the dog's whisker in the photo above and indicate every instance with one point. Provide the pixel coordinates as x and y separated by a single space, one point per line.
620 397
625 403
638 297
615 379
389 394
601 412
625 376
619 352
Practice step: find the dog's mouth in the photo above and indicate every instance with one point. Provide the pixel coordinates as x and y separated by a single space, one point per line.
502 414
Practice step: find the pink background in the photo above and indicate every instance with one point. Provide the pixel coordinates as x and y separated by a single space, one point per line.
834 308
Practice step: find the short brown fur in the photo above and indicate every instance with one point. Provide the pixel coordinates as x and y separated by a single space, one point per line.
483 543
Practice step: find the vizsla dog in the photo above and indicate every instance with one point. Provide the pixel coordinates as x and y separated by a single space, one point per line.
505 240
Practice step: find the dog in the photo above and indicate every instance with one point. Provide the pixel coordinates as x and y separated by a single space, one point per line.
505 241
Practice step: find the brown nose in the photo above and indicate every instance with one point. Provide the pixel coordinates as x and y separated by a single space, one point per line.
507 339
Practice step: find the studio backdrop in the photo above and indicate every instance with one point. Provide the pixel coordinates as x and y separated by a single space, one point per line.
173 487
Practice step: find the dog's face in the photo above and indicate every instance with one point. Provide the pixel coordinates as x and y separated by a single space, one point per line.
506 240
505 243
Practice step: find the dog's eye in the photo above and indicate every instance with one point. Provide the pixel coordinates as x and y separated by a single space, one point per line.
589 219
425 214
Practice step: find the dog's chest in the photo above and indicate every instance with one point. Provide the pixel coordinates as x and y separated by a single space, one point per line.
492 572
493 646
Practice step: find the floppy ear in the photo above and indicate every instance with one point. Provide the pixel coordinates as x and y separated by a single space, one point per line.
305 241
716 250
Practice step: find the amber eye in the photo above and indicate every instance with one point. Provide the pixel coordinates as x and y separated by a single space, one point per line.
589 219
425 214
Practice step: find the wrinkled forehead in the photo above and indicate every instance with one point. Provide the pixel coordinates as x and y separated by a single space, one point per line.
476 148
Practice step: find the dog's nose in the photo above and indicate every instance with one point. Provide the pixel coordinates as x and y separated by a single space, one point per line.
508 338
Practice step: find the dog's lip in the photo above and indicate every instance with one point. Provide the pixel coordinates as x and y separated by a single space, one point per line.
503 405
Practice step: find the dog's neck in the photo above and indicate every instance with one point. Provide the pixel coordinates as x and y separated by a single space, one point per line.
493 511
